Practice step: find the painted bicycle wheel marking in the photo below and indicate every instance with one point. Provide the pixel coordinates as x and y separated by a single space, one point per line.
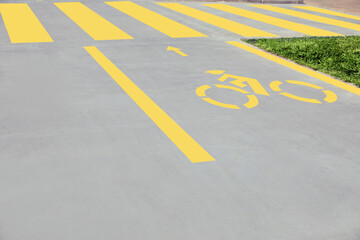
242 82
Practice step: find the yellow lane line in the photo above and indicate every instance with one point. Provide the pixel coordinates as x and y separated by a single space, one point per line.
22 24
92 23
220 22
297 67
297 27
177 135
311 17
163 24
326 11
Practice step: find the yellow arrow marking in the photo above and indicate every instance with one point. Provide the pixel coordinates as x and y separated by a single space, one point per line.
177 50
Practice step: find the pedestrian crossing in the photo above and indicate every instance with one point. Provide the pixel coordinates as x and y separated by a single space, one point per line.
93 24
220 22
311 17
326 11
24 26
296 27
163 24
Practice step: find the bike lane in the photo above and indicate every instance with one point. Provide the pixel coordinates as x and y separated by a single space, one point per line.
176 78
117 172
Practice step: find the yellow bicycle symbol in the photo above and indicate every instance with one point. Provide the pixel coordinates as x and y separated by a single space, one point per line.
241 82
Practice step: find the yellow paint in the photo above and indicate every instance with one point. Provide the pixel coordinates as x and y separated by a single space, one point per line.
163 24
326 11
309 100
297 67
216 72
239 83
232 88
253 83
304 84
177 50
224 23
297 27
93 24
176 134
253 101
22 25
256 86
220 104
311 17
275 86
200 91
330 96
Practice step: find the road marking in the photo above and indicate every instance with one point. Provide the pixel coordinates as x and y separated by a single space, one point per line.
253 101
321 10
163 24
239 81
200 91
275 86
297 67
177 50
220 104
311 17
297 27
93 24
220 22
177 135
22 24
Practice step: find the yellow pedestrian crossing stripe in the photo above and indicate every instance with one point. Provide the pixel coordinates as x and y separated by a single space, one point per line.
93 24
224 23
163 24
311 17
329 12
22 25
297 27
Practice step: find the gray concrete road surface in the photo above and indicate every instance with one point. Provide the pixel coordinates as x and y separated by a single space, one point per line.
117 141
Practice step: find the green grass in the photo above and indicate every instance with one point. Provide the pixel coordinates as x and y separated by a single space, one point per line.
336 56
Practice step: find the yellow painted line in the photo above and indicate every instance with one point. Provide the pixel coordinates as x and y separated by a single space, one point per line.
329 12
220 104
163 24
297 67
92 23
220 22
232 88
311 17
177 135
304 84
297 27
309 100
22 24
